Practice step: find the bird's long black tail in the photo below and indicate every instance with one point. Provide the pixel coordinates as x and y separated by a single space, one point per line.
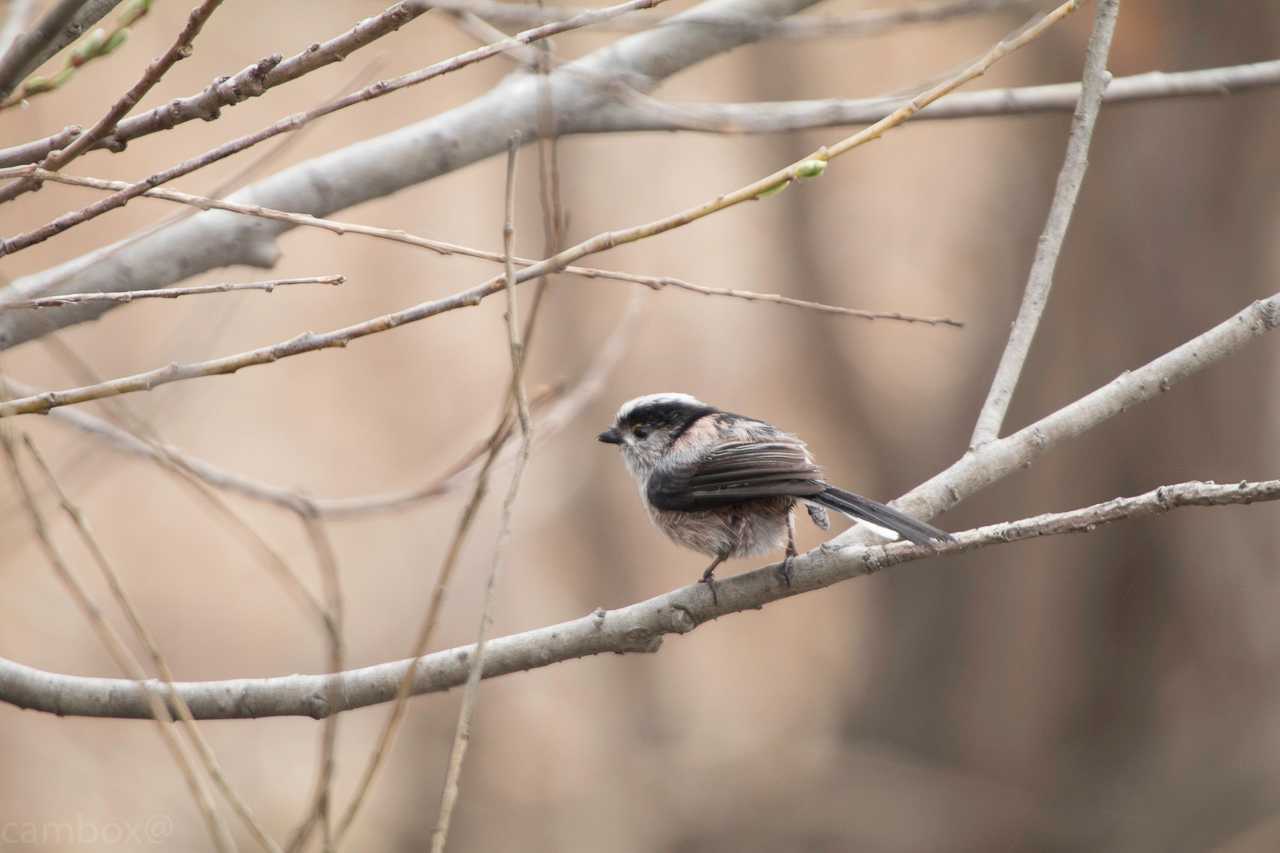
865 509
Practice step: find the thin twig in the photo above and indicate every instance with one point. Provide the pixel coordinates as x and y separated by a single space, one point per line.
124 659
445 248
225 186
561 406
144 436
179 50
297 120
169 292
426 631
328 561
548 148
263 75
1049 246
636 628
435 605
184 716
462 734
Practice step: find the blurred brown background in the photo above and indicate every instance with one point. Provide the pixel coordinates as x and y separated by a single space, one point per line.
1112 691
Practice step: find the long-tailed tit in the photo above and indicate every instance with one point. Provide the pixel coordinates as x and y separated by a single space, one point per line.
725 485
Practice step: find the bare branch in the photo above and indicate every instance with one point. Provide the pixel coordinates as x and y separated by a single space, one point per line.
783 116
995 460
266 73
471 694
183 713
445 248
151 699
561 409
180 49
1049 246
638 627
272 71
297 120
328 561
588 388
358 173
169 293
31 152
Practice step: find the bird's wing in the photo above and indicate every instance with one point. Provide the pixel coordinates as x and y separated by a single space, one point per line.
735 472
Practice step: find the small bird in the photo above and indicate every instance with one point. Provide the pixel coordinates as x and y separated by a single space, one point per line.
725 485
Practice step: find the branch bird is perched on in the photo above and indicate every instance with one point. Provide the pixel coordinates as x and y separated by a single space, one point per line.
725 484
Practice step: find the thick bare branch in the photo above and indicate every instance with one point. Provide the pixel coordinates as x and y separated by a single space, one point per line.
1070 178
783 116
637 628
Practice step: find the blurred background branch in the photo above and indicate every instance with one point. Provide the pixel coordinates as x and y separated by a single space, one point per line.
62 24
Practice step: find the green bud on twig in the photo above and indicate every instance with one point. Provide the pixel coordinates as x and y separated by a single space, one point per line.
89 47
774 190
118 38
135 10
37 84
811 169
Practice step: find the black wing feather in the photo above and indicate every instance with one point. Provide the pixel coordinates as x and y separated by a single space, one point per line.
736 472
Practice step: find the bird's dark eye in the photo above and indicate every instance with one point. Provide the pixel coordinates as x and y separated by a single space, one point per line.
641 432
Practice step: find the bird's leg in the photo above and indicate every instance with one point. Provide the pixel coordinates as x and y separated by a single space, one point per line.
708 577
791 550
738 526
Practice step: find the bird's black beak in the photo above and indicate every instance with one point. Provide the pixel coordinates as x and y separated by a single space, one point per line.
610 436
